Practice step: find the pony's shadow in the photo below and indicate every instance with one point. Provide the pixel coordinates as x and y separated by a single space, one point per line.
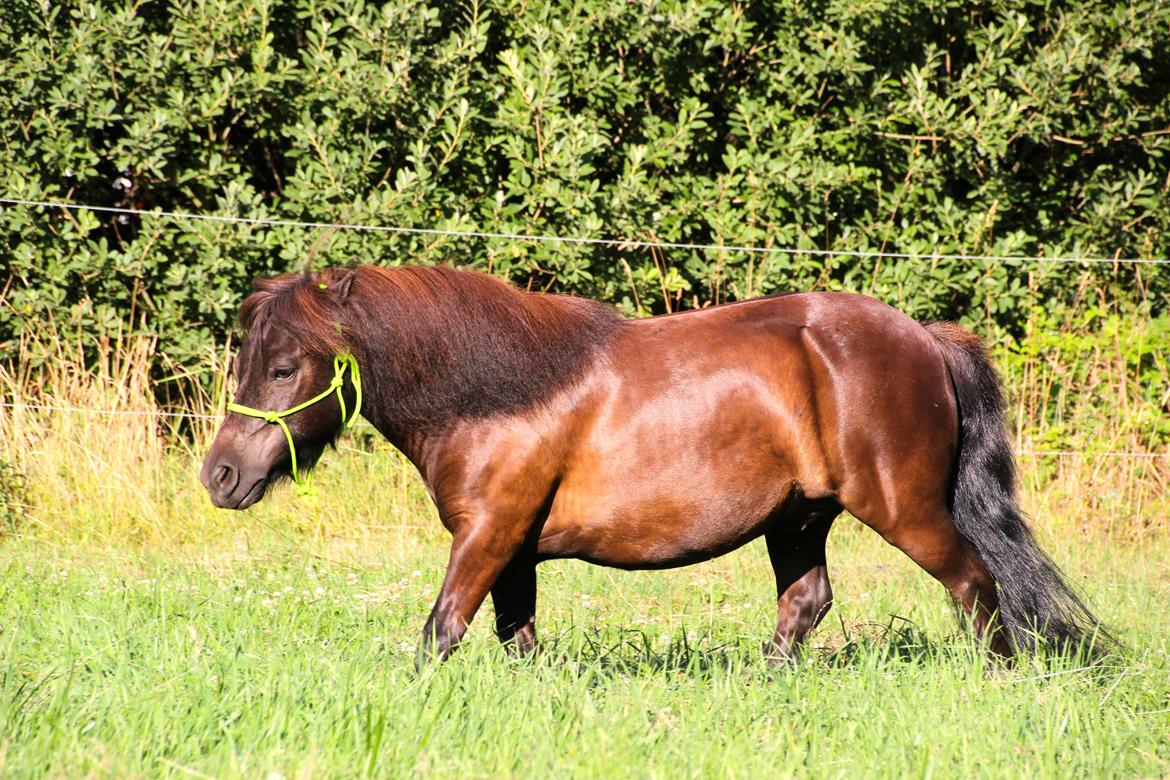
901 642
600 655
630 652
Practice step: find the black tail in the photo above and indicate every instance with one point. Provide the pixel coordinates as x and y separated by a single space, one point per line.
1035 599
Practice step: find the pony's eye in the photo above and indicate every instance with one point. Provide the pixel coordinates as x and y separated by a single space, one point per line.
283 373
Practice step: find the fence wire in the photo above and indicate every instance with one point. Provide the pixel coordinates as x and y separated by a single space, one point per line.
616 243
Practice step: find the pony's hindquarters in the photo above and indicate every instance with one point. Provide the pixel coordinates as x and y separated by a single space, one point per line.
912 423
893 439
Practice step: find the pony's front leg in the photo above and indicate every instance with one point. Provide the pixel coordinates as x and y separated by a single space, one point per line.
514 596
478 556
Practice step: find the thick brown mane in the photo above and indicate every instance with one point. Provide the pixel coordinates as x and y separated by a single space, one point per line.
437 343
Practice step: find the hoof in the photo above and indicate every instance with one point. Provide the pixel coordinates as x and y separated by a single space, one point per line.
778 657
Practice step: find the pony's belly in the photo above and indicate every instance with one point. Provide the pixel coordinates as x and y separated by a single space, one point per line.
664 527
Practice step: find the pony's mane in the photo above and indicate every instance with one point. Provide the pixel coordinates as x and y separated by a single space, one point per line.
436 343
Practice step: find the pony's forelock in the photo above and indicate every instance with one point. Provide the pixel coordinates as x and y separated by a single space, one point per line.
307 305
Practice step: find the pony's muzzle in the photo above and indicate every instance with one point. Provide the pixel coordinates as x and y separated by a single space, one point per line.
242 461
224 486
221 479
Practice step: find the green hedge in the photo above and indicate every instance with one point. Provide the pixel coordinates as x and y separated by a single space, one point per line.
996 128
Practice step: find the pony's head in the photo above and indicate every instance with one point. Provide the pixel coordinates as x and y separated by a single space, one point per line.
286 359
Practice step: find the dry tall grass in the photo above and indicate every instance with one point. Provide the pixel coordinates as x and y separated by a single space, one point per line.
1094 389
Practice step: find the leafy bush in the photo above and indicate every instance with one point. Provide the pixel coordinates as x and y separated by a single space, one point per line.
951 127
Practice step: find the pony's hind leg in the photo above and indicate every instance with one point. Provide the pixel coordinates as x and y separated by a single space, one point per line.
803 594
931 540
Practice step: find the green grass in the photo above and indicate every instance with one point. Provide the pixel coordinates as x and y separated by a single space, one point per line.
255 657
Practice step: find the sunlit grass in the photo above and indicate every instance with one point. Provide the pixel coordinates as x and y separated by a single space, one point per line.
270 659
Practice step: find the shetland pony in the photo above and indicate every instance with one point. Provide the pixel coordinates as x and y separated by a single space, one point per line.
547 427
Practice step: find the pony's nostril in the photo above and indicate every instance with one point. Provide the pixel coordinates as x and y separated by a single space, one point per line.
223 474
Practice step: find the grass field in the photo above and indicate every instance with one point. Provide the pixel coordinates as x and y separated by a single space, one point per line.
143 633
261 659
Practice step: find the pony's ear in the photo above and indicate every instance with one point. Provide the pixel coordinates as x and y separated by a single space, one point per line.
344 285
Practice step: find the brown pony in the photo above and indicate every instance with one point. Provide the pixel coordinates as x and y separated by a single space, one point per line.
546 427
